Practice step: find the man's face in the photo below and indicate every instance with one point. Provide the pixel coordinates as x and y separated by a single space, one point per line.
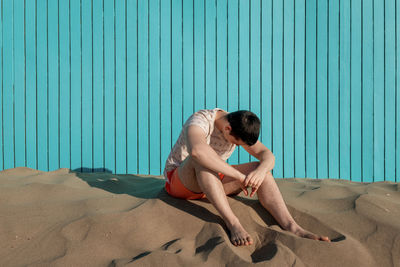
231 138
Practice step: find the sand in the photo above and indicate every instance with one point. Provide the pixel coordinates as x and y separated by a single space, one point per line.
66 218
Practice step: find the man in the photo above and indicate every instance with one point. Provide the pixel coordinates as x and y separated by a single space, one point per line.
197 168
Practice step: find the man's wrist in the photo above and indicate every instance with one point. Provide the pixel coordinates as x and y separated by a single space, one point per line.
241 177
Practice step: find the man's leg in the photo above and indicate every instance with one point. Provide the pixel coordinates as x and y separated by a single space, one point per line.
271 199
200 179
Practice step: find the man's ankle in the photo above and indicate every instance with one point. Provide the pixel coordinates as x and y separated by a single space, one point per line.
291 226
233 222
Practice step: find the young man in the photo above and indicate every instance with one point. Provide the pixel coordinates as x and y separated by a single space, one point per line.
197 168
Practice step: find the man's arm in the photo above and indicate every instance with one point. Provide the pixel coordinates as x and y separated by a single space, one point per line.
263 154
203 153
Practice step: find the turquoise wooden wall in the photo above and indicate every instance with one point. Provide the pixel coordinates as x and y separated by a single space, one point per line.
93 85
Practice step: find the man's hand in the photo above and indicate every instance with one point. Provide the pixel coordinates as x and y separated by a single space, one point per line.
254 179
244 188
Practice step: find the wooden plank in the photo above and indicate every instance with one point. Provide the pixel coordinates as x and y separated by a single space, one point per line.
120 87
244 66
368 92
333 90
1 95
255 60
210 54
397 95
356 111
344 94
87 86
199 55
98 86
131 84
166 101
322 89
143 88
53 80
299 89
30 61
390 93
288 82
109 87
42 69
8 88
222 53
311 90
154 86
188 66
266 76
233 65
71 155
379 92
277 87
19 92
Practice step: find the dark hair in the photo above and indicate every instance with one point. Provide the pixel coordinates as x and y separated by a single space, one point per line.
245 126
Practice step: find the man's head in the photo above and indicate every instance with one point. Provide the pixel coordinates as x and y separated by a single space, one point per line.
244 127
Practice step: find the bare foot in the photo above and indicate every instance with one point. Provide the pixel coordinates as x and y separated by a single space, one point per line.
239 236
297 230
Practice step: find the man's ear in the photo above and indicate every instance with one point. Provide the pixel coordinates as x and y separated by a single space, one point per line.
228 128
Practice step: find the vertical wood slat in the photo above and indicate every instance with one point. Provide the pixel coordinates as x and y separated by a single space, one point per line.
277 88
199 55
244 65
210 54
299 89
355 95
143 97
154 88
367 92
176 71
8 86
390 96
131 87
288 89
255 60
379 91
322 89
19 78
166 100
333 89
397 168
318 62
71 85
30 59
2 89
53 82
233 64
187 62
98 83
42 88
221 54
266 73
344 91
87 85
120 87
311 91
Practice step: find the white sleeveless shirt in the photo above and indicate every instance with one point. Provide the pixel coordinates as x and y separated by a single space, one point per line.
203 118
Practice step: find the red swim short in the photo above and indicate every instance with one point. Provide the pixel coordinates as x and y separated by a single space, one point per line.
176 189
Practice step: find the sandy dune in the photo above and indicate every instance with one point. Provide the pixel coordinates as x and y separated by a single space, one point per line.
66 218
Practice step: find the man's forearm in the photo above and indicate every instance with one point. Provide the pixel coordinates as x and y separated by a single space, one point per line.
267 161
207 157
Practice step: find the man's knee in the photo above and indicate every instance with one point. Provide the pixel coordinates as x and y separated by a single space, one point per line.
197 167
